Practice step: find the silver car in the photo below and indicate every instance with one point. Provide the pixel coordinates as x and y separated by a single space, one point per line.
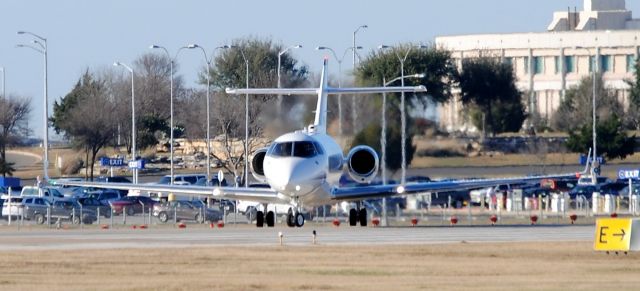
185 210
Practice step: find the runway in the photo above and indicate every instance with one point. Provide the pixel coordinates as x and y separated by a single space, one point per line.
248 236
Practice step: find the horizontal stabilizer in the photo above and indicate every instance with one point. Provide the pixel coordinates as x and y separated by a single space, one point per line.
274 91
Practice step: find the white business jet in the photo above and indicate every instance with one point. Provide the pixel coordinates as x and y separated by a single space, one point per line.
303 167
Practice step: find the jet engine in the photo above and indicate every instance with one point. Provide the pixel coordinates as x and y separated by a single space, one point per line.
257 164
363 164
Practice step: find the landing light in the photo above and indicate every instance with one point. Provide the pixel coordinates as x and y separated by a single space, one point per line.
400 189
297 187
217 192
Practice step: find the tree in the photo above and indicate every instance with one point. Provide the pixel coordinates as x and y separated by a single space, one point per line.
437 65
14 114
576 110
612 140
633 113
370 136
229 71
86 116
489 86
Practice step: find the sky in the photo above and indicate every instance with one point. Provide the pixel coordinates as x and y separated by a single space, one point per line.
93 34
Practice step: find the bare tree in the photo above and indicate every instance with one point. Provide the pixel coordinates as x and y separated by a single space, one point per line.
14 113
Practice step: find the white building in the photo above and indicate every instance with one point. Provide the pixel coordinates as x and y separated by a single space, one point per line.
604 37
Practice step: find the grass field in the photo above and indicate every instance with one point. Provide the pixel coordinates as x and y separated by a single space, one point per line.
499 266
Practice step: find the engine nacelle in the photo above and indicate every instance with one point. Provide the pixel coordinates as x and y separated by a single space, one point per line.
257 164
363 164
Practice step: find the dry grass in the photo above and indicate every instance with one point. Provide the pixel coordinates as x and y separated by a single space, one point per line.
505 266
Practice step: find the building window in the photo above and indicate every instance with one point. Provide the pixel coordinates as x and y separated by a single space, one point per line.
538 65
508 61
592 63
605 63
558 66
569 64
526 65
631 64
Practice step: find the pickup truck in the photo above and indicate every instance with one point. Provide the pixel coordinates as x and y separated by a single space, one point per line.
35 208
48 193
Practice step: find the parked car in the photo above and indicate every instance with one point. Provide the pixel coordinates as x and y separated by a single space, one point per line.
583 190
188 179
48 193
11 207
214 182
612 188
70 210
104 195
185 210
35 208
94 204
132 204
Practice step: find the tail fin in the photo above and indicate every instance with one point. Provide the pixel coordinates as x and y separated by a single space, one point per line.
320 122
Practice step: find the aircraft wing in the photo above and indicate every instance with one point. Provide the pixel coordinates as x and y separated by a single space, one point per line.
262 195
274 91
372 90
377 191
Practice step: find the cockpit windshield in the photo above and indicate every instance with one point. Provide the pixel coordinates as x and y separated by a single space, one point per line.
282 149
301 149
304 149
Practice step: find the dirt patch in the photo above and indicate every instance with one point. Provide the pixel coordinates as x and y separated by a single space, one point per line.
499 266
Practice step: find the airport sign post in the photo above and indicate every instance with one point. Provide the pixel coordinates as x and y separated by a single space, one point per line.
617 235
137 164
111 162
632 174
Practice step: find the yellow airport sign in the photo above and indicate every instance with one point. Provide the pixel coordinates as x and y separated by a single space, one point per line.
617 234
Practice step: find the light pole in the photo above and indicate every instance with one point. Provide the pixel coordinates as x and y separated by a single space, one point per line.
3 86
279 84
354 111
339 60
246 118
133 119
42 43
208 61
403 118
383 140
593 105
171 60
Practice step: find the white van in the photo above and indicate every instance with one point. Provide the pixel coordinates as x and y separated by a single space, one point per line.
48 193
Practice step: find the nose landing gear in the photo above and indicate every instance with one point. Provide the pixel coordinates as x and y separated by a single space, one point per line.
295 219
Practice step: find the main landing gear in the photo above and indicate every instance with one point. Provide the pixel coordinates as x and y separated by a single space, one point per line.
358 215
270 219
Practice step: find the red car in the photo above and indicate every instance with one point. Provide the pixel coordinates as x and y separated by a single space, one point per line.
132 204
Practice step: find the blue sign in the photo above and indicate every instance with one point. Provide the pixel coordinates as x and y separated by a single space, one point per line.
583 160
137 164
629 174
109 162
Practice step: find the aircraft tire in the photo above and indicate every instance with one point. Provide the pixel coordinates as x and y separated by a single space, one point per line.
291 220
271 219
259 219
299 219
362 216
353 217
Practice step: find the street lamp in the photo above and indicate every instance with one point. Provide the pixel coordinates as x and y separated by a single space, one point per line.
354 111
208 61
593 105
42 48
133 119
3 87
246 118
383 140
403 118
339 60
171 60
279 85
